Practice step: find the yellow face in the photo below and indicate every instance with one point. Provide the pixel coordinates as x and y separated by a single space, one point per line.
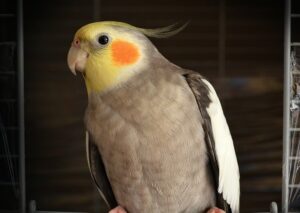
106 55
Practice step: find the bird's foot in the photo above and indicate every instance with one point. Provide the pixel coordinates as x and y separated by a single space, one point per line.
215 210
118 209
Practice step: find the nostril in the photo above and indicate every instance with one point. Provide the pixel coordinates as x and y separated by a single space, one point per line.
76 43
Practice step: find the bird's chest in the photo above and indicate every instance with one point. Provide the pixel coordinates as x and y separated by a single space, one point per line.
142 119
149 144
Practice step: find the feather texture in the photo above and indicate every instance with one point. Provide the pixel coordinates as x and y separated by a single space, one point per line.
150 134
161 32
98 173
164 32
228 167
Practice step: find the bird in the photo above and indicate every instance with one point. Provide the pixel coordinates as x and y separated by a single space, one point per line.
157 140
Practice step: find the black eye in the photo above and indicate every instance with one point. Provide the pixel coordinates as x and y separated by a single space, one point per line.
103 39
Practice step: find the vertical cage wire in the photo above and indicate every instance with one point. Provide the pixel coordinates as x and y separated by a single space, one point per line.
20 69
286 110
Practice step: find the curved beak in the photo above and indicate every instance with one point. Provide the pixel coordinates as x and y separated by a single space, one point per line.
77 59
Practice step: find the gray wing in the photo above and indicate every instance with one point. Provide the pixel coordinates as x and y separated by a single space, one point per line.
201 93
98 173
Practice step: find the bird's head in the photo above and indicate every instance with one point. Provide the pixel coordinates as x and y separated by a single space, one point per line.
109 53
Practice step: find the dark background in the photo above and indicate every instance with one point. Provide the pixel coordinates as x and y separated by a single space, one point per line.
239 47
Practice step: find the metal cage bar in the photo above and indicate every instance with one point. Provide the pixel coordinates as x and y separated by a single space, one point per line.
20 68
286 107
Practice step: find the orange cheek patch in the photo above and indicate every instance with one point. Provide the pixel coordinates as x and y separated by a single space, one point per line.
124 53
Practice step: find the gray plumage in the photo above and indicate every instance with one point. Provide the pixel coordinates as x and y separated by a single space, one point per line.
150 135
158 139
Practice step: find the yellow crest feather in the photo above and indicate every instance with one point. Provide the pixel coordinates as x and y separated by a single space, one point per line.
162 32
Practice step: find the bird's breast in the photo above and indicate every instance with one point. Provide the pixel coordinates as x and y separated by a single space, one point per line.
152 144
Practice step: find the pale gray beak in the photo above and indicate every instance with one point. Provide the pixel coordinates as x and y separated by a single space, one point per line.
77 59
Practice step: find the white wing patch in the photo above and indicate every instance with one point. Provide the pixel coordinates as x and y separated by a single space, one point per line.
229 176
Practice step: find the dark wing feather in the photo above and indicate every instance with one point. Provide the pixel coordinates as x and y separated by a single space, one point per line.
201 92
98 173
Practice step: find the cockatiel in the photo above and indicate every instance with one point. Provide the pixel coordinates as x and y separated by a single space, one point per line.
157 138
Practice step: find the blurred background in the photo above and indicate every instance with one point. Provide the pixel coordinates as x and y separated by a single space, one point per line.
237 45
